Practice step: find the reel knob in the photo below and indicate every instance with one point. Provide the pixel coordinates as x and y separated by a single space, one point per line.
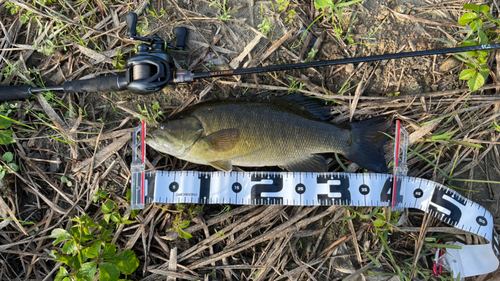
131 19
180 33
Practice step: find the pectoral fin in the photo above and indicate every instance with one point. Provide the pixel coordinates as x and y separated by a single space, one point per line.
222 165
222 140
312 163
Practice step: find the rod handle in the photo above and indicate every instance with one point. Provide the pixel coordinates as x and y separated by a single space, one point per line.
14 92
110 83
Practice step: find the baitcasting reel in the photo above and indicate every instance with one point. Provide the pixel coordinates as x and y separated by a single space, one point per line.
149 70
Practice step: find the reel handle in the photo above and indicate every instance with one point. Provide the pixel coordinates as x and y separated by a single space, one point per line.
180 33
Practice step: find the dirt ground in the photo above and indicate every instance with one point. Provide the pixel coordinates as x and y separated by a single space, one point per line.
85 138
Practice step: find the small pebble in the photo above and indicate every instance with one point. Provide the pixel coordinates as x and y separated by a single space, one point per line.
349 68
400 9
449 64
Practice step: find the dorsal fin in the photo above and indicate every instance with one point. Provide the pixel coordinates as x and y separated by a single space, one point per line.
314 107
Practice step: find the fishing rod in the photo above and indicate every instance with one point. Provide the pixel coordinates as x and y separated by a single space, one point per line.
149 70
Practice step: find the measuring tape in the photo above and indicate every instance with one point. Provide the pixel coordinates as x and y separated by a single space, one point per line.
325 189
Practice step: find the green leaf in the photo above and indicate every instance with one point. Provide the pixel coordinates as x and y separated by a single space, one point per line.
108 207
102 193
94 250
109 250
60 235
467 74
443 246
345 4
470 65
88 271
65 259
2 174
476 82
70 248
483 39
108 272
126 221
14 166
64 179
472 7
349 218
6 137
107 217
61 274
4 123
467 17
72 262
485 74
126 261
106 235
184 224
370 215
183 234
476 24
466 143
484 9
444 41
129 195
134 213
115 216
322 4
14 121
379 223
8 157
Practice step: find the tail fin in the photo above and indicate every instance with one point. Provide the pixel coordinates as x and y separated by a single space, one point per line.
367 148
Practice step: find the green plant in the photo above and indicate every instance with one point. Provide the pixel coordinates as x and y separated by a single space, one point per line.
311 55
222 9
480 29
336 10
87 248
295 85
178 224
14 9
5 123
66 181
151 116
265 26
283 4
289 18
118 61
26 17
156 14
8 157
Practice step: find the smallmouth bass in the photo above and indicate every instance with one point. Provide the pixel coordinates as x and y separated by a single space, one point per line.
289 132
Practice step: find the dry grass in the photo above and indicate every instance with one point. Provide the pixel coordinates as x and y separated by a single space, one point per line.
86 138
